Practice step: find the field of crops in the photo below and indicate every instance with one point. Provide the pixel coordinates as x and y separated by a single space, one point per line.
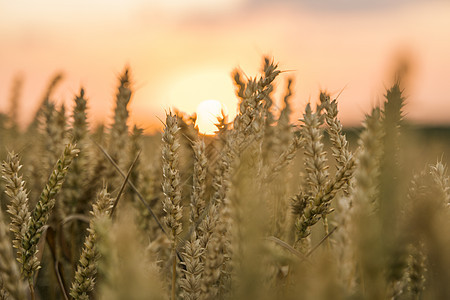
263 209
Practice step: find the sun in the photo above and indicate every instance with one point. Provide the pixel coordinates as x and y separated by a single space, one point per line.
207 113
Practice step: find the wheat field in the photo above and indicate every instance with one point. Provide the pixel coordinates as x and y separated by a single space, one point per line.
264 209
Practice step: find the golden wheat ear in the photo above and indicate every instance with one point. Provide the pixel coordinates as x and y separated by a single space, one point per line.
338 139
442 181
198 203
191 281
172 188
41 213
118 137
18 207
75 185
85 274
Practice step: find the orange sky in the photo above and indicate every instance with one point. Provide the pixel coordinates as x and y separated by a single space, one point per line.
182 52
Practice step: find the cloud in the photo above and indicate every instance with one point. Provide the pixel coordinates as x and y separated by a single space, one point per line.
345 5
188 9
195 6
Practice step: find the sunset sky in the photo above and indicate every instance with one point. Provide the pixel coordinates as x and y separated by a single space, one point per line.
182 52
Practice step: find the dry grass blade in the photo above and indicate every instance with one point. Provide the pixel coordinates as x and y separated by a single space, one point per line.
295 251
321 241
141 198
122 188
75 217
287 247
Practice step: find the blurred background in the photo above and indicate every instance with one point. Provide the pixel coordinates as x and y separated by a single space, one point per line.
182 53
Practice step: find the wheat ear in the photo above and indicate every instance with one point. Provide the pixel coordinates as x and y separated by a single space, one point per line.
56 79
365 193
75 184
3 293
441 179
118 135
14 101
55 132
339 142
284 159
283 128
84 281
41 213
199 182
315 157
368 170
251 94
9 272
191 283
18 207
314 208
416 271
172 188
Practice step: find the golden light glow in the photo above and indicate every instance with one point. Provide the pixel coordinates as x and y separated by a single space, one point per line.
207 113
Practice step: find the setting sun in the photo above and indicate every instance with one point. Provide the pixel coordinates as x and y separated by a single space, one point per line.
207 113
